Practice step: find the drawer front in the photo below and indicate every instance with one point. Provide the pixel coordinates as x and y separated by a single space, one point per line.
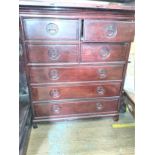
51 29
62 109
53 53
108 31
74 92
103 52
74 74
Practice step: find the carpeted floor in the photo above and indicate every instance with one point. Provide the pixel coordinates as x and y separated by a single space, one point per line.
83 137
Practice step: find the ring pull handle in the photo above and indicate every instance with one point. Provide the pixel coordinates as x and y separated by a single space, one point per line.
100 90
53 74
55 93
104 53
52 28
111 30
99 106
55 109
53 54
102 73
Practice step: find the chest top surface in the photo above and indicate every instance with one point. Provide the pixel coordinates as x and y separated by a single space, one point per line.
79 4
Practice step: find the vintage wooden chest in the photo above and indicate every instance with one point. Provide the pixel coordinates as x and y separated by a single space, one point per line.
76 59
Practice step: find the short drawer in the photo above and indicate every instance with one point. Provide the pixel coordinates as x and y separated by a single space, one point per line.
75 91
98 52
108 31
75 74
79 108
51 29
53 53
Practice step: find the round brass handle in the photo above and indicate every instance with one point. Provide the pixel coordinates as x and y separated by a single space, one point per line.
100 90
53 74
53 54
104 53
102 73
52 28
99 106
55 93
111 30
56 109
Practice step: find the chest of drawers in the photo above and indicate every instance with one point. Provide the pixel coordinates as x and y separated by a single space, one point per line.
76 60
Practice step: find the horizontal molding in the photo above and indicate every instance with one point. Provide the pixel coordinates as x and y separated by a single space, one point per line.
77 100
77 83
78 64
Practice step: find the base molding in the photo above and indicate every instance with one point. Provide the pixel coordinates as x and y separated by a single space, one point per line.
50 119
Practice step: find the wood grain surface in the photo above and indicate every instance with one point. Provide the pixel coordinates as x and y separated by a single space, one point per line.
41 93
75 74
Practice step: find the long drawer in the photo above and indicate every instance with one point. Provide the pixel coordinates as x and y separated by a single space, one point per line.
74 74
72 108
97 52
75 91
108 31
52 53
51 29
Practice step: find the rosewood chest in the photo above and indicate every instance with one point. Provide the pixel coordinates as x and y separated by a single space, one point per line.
75 59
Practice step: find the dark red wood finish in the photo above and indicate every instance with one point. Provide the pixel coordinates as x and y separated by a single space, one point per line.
75 91
51 28
108 31
75 74
76 60
75 108
53 53
103 52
